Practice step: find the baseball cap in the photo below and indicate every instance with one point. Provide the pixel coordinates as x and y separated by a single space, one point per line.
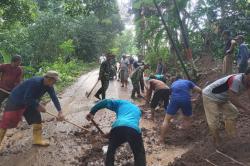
52 74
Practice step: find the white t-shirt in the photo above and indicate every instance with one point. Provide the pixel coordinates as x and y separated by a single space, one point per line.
218 90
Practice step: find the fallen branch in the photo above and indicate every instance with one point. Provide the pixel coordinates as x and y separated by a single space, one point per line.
223 154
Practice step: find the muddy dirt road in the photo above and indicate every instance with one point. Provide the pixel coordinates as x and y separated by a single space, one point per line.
72 146
68 143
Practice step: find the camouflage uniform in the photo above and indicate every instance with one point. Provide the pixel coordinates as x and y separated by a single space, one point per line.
135 79
104 77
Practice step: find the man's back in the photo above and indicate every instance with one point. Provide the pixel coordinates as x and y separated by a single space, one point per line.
127 113
157 84
181 89
34 86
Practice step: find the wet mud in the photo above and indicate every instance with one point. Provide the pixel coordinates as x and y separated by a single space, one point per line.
73 146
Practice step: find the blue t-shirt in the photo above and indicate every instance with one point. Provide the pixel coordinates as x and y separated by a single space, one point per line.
180 89
127 114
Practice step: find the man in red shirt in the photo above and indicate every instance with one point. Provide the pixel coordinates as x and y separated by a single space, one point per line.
11 76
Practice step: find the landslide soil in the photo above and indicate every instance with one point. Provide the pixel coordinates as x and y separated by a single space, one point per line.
73 146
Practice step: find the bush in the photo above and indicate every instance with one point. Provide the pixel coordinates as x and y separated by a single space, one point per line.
68 72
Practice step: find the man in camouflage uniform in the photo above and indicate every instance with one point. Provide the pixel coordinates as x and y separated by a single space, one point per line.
104 76
135 79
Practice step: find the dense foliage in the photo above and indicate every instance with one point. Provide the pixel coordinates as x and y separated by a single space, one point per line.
57 31
203 24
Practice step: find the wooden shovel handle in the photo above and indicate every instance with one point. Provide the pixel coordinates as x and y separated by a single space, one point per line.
97 126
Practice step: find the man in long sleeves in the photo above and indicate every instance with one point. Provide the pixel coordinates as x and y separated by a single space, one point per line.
136 77
104 72
124 129
24 100
11 76
243 54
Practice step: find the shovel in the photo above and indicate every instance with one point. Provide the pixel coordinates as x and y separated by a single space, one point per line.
87 94
69 122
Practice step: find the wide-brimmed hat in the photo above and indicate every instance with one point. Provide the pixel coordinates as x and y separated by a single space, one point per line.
52 74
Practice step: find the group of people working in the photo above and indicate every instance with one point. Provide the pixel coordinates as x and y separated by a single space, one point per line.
220 98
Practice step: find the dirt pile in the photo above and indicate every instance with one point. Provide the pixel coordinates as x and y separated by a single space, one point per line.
96 154
230 153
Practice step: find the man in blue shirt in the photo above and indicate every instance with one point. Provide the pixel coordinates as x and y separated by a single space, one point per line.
242 56
180 99
24 100
124 129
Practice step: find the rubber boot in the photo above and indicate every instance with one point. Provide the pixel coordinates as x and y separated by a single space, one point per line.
37 136
2 134
230 127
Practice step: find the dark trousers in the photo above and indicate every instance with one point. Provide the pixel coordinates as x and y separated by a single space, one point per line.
160 95
243 68
136 88
103 89
142 82
120 135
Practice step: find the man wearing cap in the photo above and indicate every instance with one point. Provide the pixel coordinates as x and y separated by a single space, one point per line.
243 54
24 100
104 72
228 52
136 77
221 98
11 76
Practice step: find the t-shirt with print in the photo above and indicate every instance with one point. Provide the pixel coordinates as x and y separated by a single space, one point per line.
218 90
180 89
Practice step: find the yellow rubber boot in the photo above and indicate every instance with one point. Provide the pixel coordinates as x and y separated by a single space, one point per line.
37 136
230 127
2 134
